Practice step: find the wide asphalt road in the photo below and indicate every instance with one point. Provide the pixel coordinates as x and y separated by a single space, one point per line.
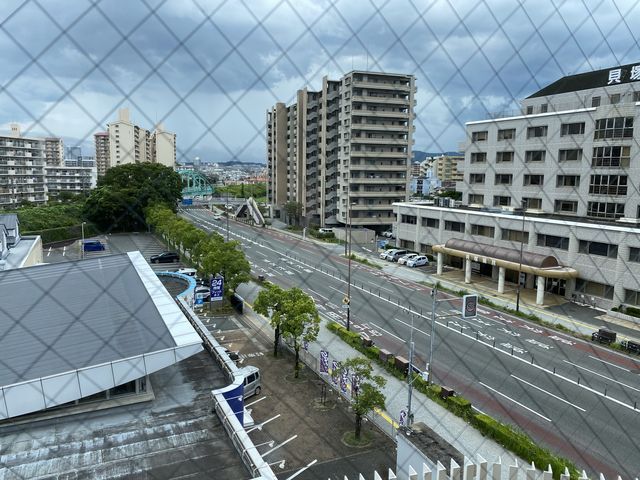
580 400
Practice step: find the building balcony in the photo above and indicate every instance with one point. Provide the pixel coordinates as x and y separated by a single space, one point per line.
379 114
373 168
369 154
369 207
381 100
356 127
382 194
400 87
378 180
380 141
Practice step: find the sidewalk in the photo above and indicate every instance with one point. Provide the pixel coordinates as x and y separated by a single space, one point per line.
454 430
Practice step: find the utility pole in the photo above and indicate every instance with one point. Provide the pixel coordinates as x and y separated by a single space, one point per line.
348 241
434 295
226 207
82 245
410 376
524 207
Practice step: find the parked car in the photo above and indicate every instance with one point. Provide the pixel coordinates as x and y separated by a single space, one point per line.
418 261
325 230
396 255
165 257
188 271
605 336
385 253
93 246
203 292
405 258
388 234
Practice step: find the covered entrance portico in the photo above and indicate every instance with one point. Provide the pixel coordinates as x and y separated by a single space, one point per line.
540 267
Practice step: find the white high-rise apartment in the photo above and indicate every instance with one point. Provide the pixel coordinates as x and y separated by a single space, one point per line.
343 151
101 140
571 159
53 151
130 143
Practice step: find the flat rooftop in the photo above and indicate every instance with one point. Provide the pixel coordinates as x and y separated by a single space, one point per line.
61 317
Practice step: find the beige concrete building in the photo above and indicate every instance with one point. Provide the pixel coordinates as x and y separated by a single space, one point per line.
445 169
101 140
53 151
130 143
348 144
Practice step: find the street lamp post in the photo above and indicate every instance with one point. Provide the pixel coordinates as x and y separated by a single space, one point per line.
226 208
82 244
524 207
434 295
347 249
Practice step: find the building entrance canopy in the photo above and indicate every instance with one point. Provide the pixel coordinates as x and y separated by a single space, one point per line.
509 258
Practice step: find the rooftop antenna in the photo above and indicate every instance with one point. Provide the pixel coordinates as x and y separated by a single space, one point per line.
367 60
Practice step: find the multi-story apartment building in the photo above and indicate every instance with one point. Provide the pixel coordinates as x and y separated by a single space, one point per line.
570 158
445 169
101 140
130 143
22 163
53 151
26 177
344 150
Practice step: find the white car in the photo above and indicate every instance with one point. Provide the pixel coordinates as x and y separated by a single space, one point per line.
388 253
388 234
188 271
418 261
403 260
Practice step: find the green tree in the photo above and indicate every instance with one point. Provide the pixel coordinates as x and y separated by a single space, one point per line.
119 201
294 212
367 395
226 259
301 322
270 303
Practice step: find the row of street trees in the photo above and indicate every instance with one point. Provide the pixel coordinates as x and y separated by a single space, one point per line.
208 252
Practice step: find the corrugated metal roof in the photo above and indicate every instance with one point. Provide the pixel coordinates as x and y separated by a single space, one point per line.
9 220
60 317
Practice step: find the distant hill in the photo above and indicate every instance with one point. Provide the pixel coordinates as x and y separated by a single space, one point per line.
419 156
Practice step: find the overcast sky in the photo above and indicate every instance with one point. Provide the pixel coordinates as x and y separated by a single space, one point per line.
209 69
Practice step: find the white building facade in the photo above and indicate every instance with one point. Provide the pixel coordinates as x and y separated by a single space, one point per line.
570 158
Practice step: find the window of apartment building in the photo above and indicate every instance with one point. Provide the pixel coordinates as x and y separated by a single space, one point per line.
565 206
529 109
572 129
504 157
503 179
534 156
616 127
570 155
544 108
634 254
483 230
537 132
507 134
568 181
409 244
476 199
552 241
608 185
478 157
410 219
454 226
533 203
430 222
618 156
501 201
479 136
476 178
595 101
598 248
636 96
426 248
514 235
594 289
614 98
533 180
605 209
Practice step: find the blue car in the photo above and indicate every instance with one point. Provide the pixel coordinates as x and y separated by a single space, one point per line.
93 246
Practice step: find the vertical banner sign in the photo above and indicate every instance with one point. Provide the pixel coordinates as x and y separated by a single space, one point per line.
217 288
403 416
305 345
355 385
469 306
324 362
344 377
334 372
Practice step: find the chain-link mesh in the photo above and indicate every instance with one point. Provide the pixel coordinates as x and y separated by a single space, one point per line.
209 70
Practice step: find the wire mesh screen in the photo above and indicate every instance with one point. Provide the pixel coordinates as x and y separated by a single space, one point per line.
372 124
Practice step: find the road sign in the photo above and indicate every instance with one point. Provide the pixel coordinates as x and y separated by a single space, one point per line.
217 288
469 306
346 301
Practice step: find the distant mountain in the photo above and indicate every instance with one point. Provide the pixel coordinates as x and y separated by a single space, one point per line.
419 156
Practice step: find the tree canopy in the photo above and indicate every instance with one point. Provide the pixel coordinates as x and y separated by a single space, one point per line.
121 196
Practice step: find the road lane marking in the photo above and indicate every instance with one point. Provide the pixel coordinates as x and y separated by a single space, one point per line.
64 251
609 363
515 401
548 393
409 325
388 332
381 287
601 375
261 253
326 299
49 252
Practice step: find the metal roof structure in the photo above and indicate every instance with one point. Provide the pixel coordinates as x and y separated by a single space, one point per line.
9 220
501 253
72 329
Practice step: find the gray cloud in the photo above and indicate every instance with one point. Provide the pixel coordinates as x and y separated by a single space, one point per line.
210 69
